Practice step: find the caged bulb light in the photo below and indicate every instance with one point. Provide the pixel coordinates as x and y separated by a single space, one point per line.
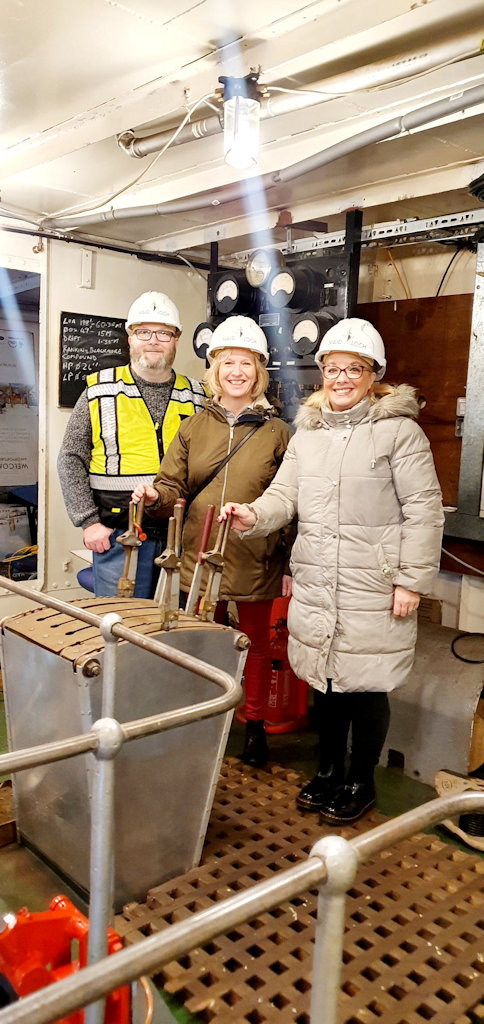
241 100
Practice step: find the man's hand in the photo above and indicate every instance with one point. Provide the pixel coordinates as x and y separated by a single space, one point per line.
286 586
242 516
404 602
151 495
96 537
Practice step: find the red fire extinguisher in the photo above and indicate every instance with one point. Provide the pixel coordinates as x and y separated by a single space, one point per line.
287 702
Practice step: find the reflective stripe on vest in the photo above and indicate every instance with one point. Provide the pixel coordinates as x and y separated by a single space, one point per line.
124 442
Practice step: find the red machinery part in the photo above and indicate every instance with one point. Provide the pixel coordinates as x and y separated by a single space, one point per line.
40 948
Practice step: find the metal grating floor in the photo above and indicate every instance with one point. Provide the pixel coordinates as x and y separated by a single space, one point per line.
414 945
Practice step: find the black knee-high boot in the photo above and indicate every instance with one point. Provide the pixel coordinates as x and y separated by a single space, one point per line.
332 716
369 726
255 750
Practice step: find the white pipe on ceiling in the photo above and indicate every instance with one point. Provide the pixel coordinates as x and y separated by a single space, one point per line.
231 193
382 73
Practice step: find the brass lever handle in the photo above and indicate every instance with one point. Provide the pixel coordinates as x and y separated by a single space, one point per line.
178 513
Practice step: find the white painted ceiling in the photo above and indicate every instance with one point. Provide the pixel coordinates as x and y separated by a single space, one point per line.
73 76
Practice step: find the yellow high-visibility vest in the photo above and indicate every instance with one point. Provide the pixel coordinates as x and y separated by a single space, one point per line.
124 441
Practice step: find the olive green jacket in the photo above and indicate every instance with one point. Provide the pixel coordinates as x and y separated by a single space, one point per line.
253 569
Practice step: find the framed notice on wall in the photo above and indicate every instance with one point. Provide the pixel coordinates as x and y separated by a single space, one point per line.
88 343
19 413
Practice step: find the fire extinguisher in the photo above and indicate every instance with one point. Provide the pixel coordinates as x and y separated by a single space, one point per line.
287 702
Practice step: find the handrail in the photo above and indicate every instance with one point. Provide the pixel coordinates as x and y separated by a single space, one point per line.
106 739
94 982
331 864
431 813
233 690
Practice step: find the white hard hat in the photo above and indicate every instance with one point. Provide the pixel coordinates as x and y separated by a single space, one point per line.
153 308
354 335
239 332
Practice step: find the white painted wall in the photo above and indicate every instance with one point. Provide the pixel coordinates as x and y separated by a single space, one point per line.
117 280
420 266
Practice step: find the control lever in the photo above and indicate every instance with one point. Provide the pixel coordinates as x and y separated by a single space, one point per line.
167 594
214 559
196 583
131 541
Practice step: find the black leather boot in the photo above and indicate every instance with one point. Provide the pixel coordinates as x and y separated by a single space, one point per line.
348 803
255 750
316 793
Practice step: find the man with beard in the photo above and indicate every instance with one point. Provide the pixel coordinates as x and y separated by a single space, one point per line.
118 432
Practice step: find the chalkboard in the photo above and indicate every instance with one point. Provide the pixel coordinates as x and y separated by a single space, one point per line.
88 343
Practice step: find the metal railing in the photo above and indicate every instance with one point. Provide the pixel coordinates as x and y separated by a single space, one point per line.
331 865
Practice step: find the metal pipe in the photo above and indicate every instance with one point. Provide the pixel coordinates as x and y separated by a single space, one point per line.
341 865
18 213
370 843
174 719
109 663
370 76
471 457
101 869
60 750
148 255
257 186
157 647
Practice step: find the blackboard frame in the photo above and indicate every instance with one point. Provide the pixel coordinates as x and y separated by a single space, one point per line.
88 343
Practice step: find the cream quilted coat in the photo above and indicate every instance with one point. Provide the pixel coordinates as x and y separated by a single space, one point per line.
364 488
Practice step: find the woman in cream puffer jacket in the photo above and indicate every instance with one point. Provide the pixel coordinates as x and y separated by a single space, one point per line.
360 476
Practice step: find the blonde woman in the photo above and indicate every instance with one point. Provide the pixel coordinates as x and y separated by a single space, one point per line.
360 476
253 573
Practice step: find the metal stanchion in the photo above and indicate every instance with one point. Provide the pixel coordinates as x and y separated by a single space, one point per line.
102 850
341 864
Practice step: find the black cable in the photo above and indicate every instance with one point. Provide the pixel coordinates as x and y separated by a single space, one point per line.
469 661
142 254
446 271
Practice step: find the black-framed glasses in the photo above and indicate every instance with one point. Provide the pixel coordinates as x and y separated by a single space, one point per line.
144 334
353 372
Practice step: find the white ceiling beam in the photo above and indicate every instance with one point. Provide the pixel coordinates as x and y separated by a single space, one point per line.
279 55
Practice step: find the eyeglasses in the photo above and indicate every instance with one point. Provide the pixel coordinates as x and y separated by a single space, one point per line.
144 334
353 372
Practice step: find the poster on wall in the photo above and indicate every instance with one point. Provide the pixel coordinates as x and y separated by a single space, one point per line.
18 408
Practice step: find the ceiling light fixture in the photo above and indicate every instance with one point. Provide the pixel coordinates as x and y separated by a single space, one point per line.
241 99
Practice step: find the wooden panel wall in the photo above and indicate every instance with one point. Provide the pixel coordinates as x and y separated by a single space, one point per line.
427 345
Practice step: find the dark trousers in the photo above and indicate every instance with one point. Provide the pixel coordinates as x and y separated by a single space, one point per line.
369 717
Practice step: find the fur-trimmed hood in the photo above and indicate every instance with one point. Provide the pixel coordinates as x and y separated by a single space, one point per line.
400 401
369 513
